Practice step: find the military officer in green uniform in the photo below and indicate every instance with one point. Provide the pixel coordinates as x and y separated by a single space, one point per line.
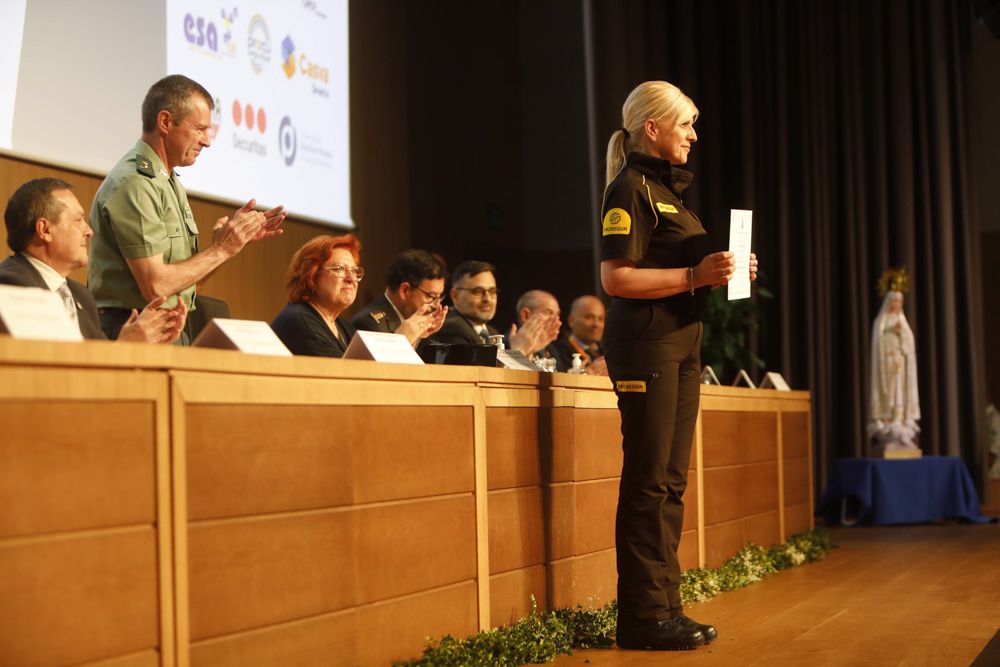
146 242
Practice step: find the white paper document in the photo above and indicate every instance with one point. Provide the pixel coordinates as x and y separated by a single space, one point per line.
740 225
249 336
386 347
32 312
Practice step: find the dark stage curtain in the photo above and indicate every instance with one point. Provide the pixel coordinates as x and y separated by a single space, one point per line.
845 127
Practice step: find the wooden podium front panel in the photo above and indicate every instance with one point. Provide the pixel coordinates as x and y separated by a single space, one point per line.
335 511
564 460
517 445
740 450
797 462
83 495
319 505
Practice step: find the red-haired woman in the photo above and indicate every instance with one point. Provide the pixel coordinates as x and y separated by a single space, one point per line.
322 282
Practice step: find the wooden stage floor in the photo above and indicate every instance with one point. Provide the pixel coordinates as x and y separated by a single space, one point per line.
905 595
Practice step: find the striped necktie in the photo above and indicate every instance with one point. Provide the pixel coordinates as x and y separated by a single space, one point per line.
68 302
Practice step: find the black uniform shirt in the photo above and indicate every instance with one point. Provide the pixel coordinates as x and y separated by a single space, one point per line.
645 222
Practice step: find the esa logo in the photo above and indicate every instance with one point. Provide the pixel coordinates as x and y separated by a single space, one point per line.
287 141
204 34
201 32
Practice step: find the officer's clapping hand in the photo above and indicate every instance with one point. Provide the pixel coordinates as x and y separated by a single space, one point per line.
272 221
538 330
232 234
715 270
155 324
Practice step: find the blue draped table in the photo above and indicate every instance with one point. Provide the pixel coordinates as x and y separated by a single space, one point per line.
887 491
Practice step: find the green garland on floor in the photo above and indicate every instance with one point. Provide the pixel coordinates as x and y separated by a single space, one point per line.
543 636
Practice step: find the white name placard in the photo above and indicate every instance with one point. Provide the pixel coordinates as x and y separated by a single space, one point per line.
515 360
740 226
32 312
384 347
249 336
774 381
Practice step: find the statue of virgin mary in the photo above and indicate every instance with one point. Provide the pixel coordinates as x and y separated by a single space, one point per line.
894 402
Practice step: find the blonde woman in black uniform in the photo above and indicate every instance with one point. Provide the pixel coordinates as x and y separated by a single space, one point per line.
657 264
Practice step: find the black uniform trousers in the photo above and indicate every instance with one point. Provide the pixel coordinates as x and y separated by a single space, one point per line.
654 359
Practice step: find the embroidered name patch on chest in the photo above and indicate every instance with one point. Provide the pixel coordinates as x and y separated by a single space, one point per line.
665 208
616 221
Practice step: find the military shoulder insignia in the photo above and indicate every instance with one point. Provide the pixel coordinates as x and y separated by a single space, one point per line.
144 166
378 316
665 208
616 221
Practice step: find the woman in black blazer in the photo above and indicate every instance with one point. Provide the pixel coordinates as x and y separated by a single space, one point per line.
322 282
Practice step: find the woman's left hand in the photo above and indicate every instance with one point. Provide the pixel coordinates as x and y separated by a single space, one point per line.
753 267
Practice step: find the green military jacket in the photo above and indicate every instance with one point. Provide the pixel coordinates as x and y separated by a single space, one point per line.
140 210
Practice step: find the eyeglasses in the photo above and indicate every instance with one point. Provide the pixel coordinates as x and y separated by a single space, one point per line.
480 292
434 298
341 270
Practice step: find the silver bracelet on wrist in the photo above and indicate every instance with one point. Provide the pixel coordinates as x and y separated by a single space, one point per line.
691 278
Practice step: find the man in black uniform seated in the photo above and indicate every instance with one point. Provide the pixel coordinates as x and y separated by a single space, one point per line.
474 301
48 232
411 303
586 325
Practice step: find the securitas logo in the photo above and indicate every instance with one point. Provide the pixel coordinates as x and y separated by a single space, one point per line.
288 56
258 44
293 62
288 143
246 116
249 122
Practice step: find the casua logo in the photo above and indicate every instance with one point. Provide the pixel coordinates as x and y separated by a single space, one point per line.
246 116
288 56
201 32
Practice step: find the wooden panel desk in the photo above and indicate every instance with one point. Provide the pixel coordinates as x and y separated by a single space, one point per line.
178 506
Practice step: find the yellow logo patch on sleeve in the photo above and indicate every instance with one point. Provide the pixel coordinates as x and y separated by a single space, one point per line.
665 208
617 221
630 386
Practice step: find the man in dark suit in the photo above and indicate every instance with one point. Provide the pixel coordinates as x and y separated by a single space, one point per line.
48 232
474 299
411 303
586 326
537 303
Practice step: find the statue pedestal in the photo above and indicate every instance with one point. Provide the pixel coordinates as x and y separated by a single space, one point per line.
902 453
876 491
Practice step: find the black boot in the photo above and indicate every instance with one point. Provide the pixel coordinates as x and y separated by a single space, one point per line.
669 635
707 630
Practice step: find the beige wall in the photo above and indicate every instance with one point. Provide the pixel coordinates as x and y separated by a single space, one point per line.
253 283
